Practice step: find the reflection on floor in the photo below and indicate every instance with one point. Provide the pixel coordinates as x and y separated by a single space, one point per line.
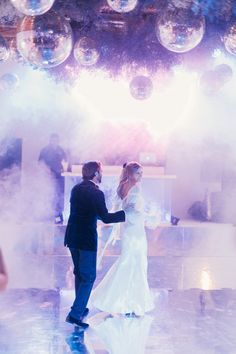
182 260
183 322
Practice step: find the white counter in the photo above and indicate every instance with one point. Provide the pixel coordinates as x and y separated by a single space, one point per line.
156 187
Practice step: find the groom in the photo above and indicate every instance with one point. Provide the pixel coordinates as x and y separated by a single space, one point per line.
87 204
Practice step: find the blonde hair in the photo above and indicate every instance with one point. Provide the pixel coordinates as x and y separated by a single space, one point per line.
126 181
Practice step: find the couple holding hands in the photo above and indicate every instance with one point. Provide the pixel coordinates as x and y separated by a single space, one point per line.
124 289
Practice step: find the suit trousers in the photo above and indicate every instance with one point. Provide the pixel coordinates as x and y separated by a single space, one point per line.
85 275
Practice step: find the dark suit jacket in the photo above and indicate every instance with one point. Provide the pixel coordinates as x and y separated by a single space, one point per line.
87 205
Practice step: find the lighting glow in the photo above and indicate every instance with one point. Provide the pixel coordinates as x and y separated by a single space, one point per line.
111 100
206 282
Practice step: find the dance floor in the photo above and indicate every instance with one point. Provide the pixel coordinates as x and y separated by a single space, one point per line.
191 321
191 274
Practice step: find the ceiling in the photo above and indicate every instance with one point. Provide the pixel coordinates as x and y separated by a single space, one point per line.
129 38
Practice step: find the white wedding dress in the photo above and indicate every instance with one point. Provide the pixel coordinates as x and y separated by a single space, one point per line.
122 335
125 289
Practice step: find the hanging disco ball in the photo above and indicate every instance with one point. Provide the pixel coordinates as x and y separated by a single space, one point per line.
122 5
85 51
229 38
180 30
9 81
44 41
224 72
210 82
33 7
141 87
4 50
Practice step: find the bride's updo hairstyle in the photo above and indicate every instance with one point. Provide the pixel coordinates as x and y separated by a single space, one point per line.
126 180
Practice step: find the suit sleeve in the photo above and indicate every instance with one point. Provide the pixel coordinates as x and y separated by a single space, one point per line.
103 213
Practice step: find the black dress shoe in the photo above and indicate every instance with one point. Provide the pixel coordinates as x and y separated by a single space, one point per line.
76 322
131 315
58 219
128 314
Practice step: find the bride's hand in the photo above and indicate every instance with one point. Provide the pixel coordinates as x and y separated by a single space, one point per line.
129 207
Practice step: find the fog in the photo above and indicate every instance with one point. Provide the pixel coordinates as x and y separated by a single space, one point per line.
191 133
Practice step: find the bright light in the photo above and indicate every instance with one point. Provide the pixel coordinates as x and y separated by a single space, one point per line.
96 98
217 53
206 283
110 100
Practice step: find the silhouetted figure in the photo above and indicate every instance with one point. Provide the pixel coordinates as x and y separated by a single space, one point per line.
53 157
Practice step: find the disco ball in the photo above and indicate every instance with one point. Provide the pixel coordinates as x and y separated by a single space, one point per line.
229 38
141 87
44 41
180 30
33 7
122 5
210 82
9 81
4 50
224 72
85 51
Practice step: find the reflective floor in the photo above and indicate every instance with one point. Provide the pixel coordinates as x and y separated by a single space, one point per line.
190 321
182 261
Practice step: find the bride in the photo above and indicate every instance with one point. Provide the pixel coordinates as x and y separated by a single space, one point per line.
125 289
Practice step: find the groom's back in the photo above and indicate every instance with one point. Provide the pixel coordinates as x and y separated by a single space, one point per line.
81 230
87 205
82 199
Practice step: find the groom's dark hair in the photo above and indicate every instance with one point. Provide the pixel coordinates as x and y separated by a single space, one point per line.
89 169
